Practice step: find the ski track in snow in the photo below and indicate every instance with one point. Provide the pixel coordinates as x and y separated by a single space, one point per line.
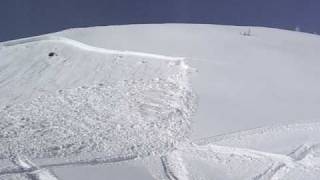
166 167
280 164
91 162
173 166
238 136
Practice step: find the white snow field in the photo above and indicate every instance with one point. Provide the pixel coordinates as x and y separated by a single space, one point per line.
100 103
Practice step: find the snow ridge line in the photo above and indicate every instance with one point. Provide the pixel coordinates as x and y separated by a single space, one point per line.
258 131
97 161
85 47
278 170
281 164
241 152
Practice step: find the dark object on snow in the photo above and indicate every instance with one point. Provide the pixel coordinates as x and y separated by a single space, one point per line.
51 54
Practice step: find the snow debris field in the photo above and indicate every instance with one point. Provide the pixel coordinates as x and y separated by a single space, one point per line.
129 117
101 103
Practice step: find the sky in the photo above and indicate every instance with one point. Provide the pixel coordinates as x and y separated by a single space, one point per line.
24 18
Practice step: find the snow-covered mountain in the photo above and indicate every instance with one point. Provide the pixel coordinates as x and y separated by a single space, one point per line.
257 114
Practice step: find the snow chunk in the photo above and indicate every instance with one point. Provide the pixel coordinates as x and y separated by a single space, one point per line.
86 105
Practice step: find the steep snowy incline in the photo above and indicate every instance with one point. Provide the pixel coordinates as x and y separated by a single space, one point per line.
67 100
244 82
47 64
66 103
269 79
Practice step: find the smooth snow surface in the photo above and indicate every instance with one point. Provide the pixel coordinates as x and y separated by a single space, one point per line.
244 82
100 103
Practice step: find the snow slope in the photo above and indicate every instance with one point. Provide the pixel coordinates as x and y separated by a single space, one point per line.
257 115
84 103
243 82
